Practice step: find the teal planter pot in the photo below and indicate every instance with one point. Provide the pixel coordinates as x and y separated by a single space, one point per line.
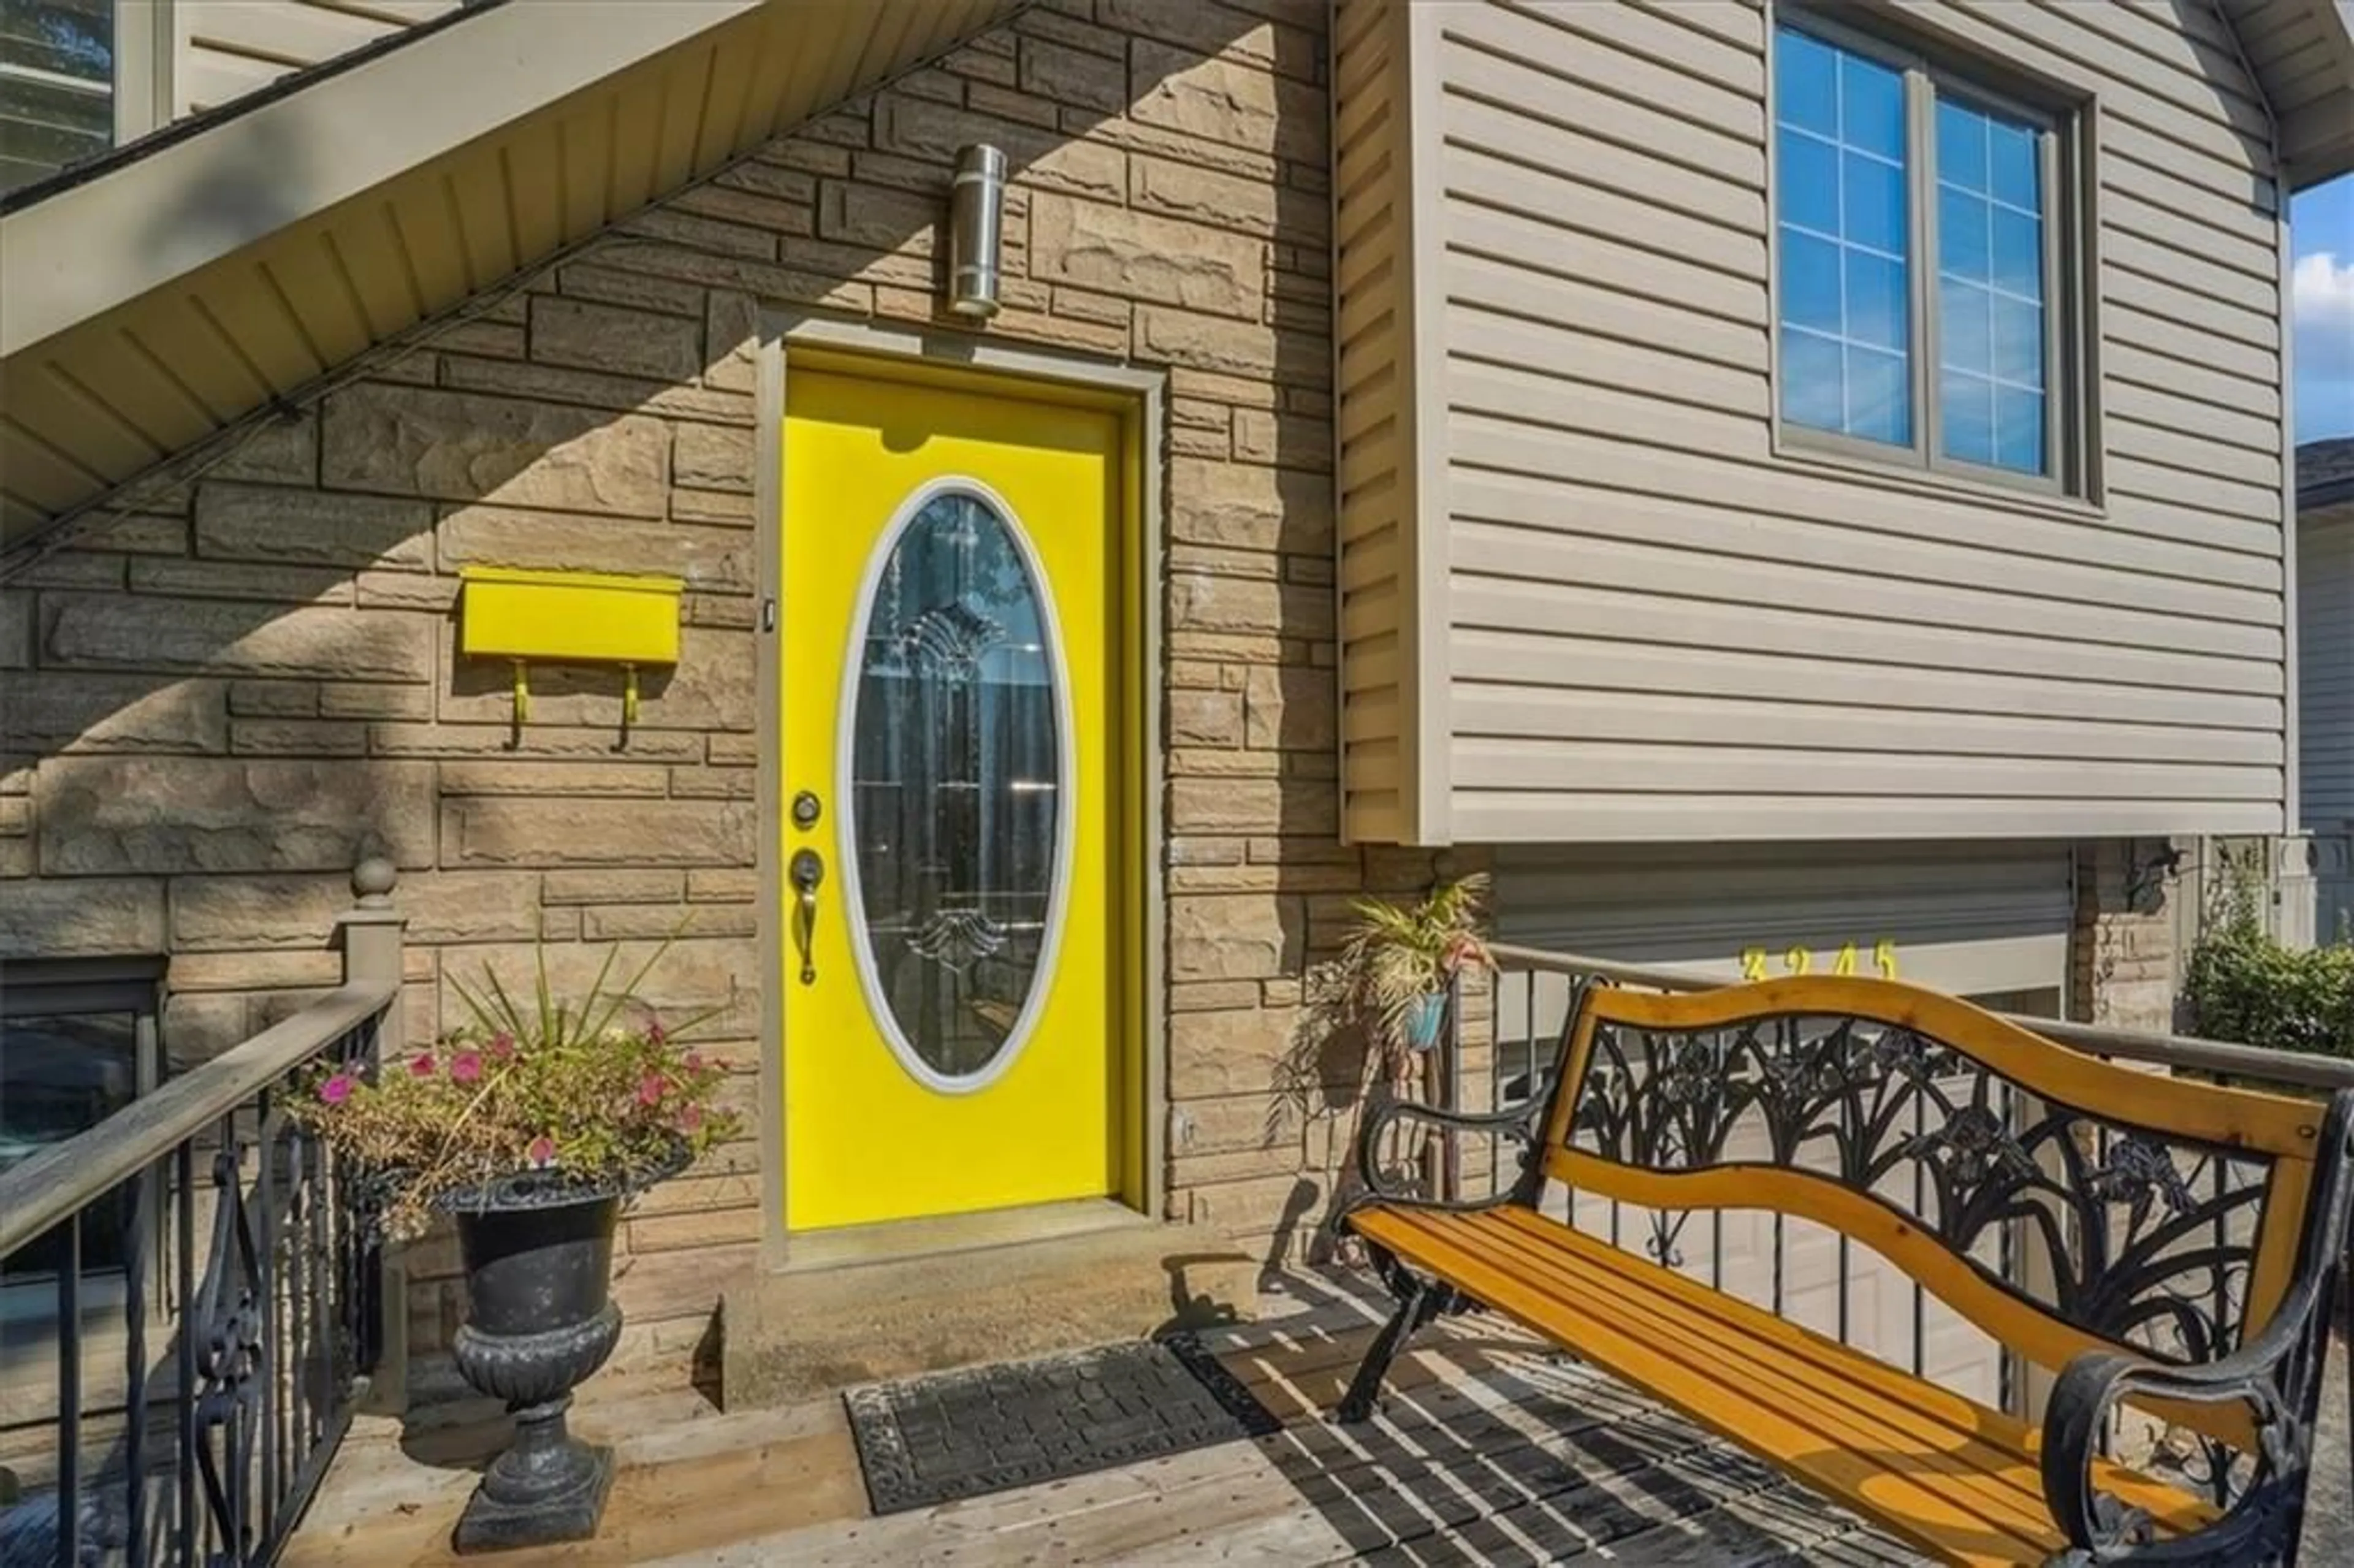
1424 1017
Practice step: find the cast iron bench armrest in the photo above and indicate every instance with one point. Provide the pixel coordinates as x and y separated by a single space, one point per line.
2278 1377
2093 1382
2099 1528
1517 1124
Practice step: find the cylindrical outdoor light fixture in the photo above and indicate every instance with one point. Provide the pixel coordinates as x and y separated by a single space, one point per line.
976 222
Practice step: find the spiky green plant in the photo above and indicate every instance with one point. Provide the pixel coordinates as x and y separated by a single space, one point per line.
598 1091
1400 953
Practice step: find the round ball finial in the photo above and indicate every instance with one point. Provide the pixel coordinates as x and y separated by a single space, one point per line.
372 881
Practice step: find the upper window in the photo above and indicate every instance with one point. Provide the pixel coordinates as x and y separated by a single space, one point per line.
1916 238
57 85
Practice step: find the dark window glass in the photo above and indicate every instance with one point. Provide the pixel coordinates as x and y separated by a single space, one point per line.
78 1042
60 1075
57 85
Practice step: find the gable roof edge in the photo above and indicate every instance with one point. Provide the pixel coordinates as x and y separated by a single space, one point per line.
98 242
2300 54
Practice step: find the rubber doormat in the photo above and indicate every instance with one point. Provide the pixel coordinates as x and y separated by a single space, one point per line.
954 1434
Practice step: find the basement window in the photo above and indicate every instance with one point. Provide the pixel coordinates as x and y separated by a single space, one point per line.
78 1042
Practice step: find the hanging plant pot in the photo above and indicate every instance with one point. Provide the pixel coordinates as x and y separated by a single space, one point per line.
1423 1018
540 1320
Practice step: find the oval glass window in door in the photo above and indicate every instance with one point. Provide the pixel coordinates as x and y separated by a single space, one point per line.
958 788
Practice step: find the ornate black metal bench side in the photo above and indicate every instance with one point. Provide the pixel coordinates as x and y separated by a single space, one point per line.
1421 1297
2278 1377
2168 1221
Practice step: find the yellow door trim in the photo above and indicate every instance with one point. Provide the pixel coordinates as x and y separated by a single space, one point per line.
792 340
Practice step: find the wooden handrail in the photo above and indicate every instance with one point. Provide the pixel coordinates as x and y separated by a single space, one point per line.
51 1186
2218 1056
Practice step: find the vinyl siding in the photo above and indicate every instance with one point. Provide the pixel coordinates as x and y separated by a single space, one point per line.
2325 586
1374 304
1658 627
226 48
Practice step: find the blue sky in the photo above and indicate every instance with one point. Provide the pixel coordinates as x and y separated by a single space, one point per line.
2321 230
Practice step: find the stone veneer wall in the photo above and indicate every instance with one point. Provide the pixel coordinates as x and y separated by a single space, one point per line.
2122 953
213 709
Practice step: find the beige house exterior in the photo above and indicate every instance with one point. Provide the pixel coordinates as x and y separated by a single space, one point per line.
1462 529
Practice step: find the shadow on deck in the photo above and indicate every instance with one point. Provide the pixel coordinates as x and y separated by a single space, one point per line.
1488 1449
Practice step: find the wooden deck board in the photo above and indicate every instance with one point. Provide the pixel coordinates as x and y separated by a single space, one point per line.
1488 1448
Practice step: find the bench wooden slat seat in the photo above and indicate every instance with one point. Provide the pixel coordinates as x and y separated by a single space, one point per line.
2186 1240
1956 1478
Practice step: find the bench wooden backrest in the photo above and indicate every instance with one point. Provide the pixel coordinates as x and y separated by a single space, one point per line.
2168 1215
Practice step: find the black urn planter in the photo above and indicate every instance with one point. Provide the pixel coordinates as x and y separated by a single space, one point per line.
540 1320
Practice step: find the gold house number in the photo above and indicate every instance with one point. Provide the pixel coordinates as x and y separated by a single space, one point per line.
1799 961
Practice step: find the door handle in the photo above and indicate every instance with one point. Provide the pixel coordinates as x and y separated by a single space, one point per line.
807 871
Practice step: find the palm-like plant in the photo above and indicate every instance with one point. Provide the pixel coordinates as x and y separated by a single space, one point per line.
1401 959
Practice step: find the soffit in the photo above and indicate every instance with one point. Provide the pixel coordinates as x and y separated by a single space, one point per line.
2303 54
176 290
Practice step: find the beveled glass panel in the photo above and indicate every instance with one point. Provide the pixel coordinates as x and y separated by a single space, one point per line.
956 786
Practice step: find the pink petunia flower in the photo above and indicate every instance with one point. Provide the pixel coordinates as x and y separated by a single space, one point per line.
502 1044
466 1066
338 1089
694 1061
651 1087
690 1117
542 1153
421 1065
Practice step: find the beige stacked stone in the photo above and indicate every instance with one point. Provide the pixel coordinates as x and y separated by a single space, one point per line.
2122 953
214 707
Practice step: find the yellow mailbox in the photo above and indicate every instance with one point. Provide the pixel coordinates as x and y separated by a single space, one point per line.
568 617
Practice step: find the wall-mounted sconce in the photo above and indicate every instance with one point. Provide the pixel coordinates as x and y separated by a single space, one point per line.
570 618
976 225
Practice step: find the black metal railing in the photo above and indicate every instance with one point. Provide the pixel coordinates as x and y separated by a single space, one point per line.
1502 1048
194 1301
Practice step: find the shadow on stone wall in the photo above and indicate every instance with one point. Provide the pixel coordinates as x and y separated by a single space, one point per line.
214 707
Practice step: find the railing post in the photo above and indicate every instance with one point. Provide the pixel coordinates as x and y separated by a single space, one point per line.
1451 1088
372 929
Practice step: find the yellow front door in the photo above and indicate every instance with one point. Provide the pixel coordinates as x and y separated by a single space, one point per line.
952 811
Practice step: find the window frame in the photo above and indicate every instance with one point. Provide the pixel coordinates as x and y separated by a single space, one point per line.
145 38
70 988
2063 166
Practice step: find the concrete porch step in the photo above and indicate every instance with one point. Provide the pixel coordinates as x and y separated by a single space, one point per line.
850 1320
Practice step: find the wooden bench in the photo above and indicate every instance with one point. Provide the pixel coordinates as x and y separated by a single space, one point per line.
2174 1249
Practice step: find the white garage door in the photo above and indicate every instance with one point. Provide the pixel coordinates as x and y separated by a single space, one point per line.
1988 921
